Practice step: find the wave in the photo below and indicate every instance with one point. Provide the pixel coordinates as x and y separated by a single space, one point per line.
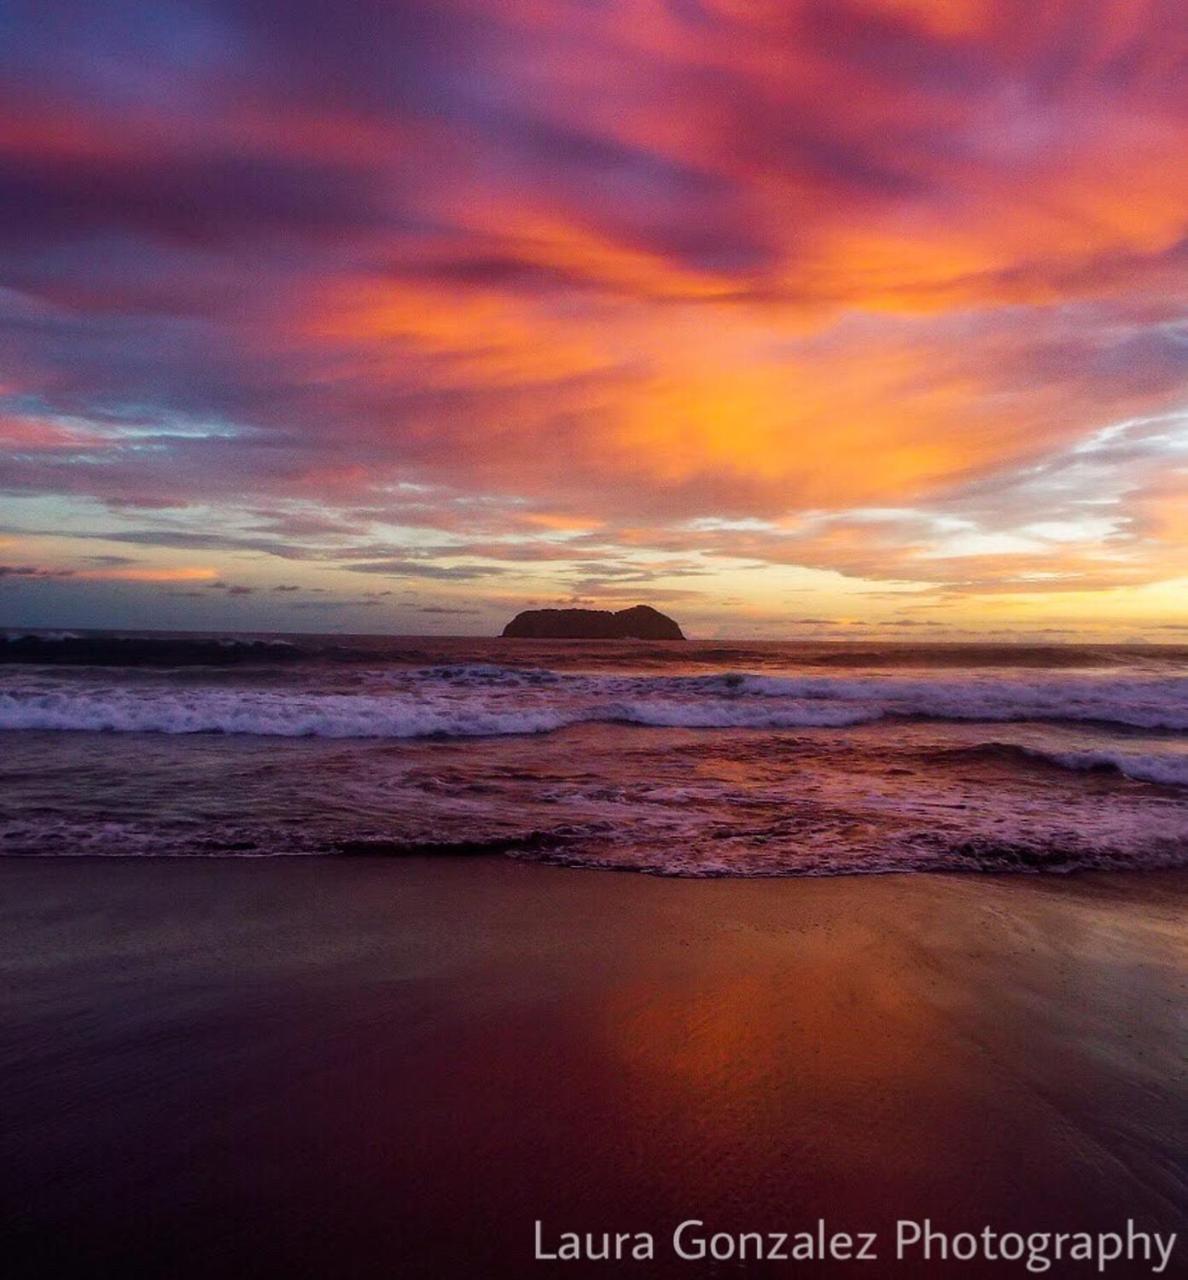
1151 703
66 648
242 711
270 714
165 649
605 847
1164 768
986 857
485 699
1046 656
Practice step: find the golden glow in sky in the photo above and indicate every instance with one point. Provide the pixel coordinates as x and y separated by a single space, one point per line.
818 317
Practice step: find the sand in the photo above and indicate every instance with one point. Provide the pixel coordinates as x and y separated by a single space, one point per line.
381 1068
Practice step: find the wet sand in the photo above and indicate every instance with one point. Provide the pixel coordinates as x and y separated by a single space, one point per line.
376 1068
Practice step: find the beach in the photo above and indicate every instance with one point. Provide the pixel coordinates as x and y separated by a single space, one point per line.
387 1066
593 640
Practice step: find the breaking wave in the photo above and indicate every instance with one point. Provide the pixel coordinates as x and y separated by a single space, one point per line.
67 648
1168 769
483 699
1165 767
271 714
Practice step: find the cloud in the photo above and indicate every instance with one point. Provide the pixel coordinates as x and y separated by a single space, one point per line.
31 571
568 285
399 568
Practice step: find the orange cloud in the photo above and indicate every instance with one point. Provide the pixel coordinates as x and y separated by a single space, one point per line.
148 573
555 277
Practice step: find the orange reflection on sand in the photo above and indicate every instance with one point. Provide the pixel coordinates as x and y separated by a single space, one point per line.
732 1053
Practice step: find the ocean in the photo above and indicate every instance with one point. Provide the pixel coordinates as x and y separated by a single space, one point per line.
703 759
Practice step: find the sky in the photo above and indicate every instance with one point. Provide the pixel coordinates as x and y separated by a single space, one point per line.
822 318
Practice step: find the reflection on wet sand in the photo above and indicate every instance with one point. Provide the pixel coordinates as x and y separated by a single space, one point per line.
329 1068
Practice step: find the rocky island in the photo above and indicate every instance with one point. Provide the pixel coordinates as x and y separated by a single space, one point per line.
639 623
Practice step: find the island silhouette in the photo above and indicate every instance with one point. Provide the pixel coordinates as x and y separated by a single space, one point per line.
641 622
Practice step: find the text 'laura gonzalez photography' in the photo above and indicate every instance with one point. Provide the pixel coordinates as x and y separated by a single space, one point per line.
910 1242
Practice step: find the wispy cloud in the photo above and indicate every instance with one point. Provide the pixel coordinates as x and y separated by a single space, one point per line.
561 299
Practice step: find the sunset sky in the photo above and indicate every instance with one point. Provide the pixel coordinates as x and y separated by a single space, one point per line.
789 317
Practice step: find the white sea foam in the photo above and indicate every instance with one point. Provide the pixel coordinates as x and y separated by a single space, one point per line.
486 699
268 713
718 714
789 770
1168 768
1152 703
14 637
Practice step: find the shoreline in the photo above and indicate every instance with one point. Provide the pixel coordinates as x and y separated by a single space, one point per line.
470 856
324 1066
